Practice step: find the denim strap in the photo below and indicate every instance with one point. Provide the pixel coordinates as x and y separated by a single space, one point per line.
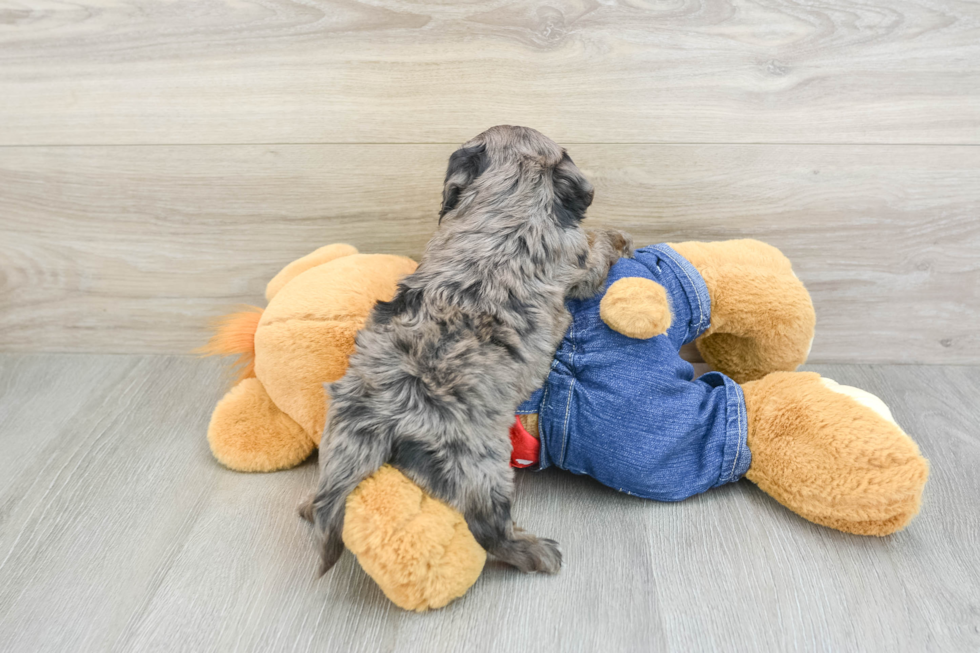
694 286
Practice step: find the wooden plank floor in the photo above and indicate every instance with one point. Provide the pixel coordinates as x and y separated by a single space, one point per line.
119 532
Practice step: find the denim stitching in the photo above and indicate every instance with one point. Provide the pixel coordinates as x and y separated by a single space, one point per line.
731 475
568 410
571 387
668 252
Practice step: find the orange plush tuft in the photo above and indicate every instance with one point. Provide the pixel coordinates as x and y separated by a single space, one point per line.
235 334
320 257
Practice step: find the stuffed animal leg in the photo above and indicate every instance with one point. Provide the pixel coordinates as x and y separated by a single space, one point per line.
419 550
833 454
762 319
249 433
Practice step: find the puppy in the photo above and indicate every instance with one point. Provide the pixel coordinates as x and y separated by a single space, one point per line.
439 370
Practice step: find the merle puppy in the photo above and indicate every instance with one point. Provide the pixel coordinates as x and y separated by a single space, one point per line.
440 369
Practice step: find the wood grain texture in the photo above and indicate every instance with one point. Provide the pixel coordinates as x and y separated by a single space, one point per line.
272 71
118 532
132 249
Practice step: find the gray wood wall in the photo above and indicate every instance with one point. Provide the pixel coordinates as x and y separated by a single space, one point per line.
160 161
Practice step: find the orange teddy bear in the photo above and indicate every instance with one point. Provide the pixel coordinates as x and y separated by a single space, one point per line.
830 453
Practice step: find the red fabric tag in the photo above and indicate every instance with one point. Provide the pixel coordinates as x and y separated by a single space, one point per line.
526 447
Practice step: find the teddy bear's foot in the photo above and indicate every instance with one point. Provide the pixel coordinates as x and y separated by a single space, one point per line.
249 433
418 549
832 454
762 319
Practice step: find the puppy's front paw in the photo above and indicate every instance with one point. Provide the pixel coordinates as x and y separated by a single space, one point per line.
622 242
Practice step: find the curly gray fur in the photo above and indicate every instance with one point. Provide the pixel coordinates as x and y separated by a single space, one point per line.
439 370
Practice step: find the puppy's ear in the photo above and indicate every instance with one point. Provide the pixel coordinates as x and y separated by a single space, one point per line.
573 193
465 165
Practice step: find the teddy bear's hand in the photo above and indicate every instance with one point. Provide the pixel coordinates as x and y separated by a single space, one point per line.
636 307
832 454
418 549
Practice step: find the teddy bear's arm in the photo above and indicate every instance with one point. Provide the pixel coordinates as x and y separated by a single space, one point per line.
636 307
322 255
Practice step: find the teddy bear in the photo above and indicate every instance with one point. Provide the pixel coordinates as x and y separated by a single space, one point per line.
619 404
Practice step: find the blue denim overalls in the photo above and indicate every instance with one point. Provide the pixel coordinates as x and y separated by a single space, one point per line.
628 412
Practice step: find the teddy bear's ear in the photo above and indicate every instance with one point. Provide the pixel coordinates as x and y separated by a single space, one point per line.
465 165
323 255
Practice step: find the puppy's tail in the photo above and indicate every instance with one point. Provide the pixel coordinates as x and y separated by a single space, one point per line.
235 334
349 460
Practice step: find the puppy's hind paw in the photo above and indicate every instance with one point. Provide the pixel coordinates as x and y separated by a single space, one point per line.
548 557
531 555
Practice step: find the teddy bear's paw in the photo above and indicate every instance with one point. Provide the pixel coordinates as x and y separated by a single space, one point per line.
418 549
249 433
833 454
863 397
